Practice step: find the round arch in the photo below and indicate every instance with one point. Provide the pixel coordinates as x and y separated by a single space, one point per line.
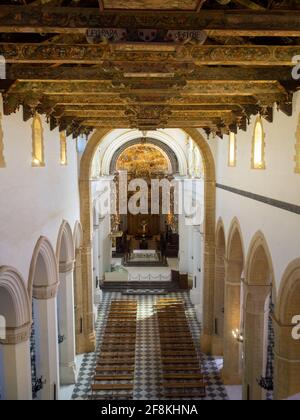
209 232
160 136
162 147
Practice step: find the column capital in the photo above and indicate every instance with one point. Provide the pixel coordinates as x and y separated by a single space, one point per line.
66 267
45 292
17 335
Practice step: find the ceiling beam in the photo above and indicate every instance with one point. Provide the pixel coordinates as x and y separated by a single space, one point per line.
217 22
26 73
248 55
214 88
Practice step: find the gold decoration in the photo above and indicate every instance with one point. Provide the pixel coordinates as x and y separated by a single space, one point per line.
142 160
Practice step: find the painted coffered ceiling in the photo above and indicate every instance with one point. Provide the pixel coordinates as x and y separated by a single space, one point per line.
146 64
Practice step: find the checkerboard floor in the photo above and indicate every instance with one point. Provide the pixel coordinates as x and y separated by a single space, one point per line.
147 384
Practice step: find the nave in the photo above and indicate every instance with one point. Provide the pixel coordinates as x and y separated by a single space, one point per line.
148 373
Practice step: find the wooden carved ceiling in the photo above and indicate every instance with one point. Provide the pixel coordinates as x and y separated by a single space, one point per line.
149 64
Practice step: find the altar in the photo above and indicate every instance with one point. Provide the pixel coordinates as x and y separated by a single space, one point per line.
144 255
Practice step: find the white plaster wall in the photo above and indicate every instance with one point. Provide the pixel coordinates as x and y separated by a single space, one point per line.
34 201
278 181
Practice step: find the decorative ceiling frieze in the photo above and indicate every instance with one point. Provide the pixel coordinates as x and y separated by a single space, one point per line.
185 64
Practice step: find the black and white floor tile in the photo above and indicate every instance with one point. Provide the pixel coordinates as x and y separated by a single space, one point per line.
147 384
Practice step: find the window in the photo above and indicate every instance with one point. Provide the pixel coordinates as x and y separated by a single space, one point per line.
232 150
258 147
63 149
37 142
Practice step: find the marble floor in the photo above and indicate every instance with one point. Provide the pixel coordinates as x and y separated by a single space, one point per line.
147 383
159 273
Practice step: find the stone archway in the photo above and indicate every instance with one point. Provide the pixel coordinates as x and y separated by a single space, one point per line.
258 287
287 348
209 236
219 290
15 324
42 288
65 255
233 305
169 153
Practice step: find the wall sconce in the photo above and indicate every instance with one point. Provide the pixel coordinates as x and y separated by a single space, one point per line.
238 335
61 339
37 386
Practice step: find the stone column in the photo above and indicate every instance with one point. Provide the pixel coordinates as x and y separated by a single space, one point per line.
183 246
78 298
66 322
96 270
197 292
209 266
232 370
256 312
87 340
17 364
47 363
286 362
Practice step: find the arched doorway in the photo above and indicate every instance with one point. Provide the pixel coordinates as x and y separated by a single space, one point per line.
219 290
65 255
78 238
287 344
209 236
258 294
15 321
233 307
42 289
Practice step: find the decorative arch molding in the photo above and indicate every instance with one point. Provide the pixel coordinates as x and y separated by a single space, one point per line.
65 248
235 229
163 138
166 149
219 231
18 322
290 279
259 244
209 227
47 288
78 235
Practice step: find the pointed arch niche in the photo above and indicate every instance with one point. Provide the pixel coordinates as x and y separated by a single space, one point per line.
65 255
15 321
232 371
287 349
42 289
259 289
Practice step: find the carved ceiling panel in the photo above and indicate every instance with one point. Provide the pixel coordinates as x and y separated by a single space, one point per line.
151 4
210 65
